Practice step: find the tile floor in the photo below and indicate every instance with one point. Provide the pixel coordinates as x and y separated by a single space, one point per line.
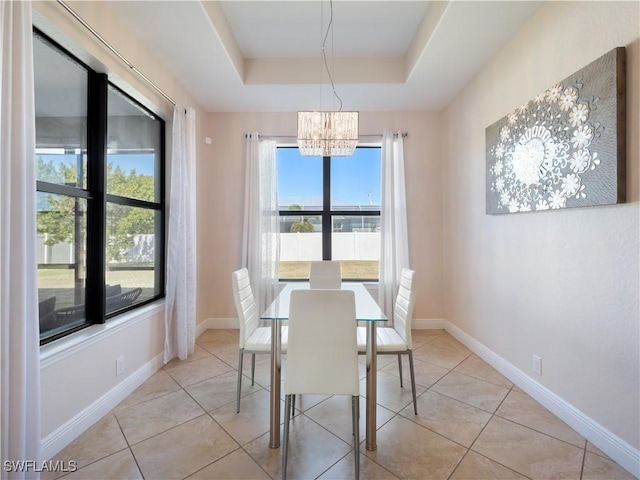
472 424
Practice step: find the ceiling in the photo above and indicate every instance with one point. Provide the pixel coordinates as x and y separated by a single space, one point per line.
251 56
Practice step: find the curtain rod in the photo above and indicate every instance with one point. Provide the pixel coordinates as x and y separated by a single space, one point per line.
116 52
404 135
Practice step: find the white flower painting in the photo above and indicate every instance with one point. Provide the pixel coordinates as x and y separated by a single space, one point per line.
545 154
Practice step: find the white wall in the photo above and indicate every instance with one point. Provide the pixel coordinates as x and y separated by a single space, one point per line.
79 384
559 284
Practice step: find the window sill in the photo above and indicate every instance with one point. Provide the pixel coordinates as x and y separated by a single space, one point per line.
57 350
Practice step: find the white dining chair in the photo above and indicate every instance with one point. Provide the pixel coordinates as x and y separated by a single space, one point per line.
253 338
325 274
396 340
322 355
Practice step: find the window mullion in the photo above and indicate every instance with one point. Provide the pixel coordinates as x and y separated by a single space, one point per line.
326 208
96 209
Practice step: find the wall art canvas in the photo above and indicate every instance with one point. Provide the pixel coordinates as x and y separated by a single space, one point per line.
565 147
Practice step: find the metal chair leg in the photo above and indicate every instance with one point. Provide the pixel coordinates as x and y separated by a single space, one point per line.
293 406
239 379
253 367
400 368
355 414
285 440
413 383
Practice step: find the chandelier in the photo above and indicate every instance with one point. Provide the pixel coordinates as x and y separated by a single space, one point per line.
328 133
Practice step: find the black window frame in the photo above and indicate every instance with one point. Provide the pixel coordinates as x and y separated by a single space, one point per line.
327 214
97 198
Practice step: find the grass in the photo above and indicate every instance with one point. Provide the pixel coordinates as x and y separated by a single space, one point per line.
351 269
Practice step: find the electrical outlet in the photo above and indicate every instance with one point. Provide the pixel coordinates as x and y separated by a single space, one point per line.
537 365
119 366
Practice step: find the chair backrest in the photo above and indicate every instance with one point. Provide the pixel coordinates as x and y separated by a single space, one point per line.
325 275
403 308
322 352
122 299
245 304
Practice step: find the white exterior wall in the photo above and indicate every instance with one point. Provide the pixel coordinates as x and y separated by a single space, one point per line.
344 246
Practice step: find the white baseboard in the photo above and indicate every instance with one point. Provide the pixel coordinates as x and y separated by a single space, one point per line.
428 323
69 431
612 445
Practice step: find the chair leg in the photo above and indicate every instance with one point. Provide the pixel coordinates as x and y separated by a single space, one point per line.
293 406
253 367
413 382
239 379
355 415
285 440
400 368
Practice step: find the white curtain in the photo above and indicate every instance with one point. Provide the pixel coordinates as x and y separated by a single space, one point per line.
180 310
394 245
19 329
260 249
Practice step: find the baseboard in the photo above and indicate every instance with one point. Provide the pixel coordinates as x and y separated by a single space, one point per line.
69 431
612 445
428 323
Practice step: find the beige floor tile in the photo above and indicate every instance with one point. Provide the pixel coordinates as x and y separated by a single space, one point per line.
389 393
533 454
218 391
312 451
421 336
144 420
410 451
345 469
334 414
159 384
98 441
251 422
183 450
601 468
228 354
219 336
238 465
120 465
593 449
522 409
447 342
198 354
474 366
443 357
478 393
450 418
426 373
188 373
305 402
477 467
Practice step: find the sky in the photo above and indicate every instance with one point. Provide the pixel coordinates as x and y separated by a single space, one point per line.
355 180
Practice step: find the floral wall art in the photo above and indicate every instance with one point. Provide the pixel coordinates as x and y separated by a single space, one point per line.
565 147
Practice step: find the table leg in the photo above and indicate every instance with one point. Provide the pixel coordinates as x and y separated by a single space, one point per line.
274 417
371 386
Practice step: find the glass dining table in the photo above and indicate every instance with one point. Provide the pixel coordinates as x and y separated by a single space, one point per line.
367 310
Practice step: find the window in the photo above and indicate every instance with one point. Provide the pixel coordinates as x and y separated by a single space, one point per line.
100 200
329 210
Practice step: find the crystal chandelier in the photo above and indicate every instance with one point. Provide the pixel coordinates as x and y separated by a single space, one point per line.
328 133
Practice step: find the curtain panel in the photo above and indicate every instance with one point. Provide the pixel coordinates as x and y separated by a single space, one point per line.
180 309
394 243
20 429
260 248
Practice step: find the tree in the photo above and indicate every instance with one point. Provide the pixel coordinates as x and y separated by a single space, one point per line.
302 226
57 214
